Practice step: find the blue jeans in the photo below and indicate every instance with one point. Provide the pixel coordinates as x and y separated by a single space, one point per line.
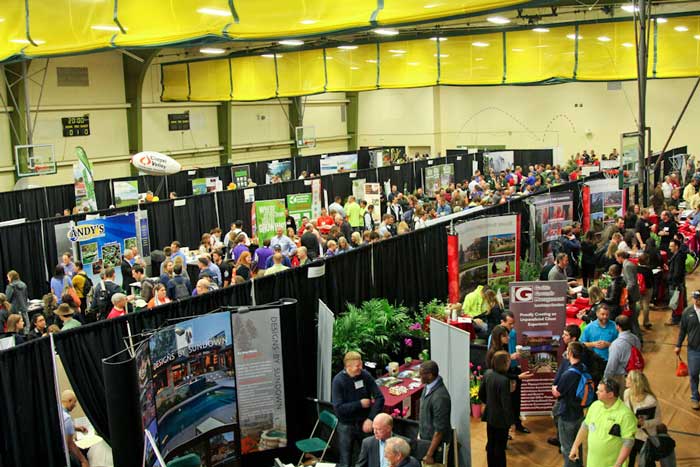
350 436
567 434
694 373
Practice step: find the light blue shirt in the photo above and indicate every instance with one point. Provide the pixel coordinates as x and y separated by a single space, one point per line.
429 387
594 332
68 426
383 462
286 244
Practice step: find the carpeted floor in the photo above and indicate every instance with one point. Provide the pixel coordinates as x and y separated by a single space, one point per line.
532 450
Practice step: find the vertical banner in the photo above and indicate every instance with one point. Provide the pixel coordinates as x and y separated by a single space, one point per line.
126 193
549 213
269 215
605 203
373 195
84 182
262 415
316 202
324 376
358 188
453 268
437 177
300 205
488 253
540 317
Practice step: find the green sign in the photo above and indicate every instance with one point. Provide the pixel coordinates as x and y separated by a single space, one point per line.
629 160
199 186
269 215
299 205
84 182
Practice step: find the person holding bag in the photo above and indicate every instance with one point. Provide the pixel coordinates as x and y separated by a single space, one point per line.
676 281
643 403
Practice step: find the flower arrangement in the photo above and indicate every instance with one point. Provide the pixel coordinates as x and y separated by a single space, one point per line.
475 383
399 413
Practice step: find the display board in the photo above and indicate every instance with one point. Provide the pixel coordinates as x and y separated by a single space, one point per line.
83 182
630 171
299 205
338 164
488 253
358 188
499 161
269 215
373 195
188 388
240 175
102 242
549 213
201 186
437 177
316 201
539 309
603 202
386 156
278 171
126 192
260 380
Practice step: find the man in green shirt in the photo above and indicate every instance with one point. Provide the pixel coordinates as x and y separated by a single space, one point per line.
65 313
610 426
354 213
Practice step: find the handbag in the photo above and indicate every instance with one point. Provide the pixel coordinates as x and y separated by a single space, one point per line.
681 368
675 297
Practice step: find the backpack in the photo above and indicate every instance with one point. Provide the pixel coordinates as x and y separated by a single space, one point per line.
102 299
586 389
636 361
87 286
642 283
595 365
180 290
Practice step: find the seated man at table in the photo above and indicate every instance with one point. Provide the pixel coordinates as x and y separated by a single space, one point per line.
373 447
356 401
398 453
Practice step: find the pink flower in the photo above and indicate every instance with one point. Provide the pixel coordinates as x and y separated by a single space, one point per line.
471 365
415 327
479 368
475 373
408 342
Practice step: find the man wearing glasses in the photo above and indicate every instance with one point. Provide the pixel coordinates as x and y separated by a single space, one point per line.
610 426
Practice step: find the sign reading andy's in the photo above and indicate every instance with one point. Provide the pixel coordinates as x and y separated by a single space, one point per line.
81 233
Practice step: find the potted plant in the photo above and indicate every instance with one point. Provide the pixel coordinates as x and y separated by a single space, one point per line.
474 385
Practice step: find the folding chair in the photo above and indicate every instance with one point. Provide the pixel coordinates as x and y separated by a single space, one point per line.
314 444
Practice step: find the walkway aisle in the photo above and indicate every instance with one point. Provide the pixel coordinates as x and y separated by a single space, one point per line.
532 450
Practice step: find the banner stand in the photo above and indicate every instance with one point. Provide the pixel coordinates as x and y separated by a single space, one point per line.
54 355
148 440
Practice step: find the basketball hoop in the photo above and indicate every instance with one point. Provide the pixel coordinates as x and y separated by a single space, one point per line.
612 173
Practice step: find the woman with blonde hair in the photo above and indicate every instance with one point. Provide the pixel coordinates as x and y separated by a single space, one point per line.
643 403
595 298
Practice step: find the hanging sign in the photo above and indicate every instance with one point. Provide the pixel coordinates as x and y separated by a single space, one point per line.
76 126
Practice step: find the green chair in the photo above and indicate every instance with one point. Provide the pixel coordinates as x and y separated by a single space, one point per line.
314 444
189 460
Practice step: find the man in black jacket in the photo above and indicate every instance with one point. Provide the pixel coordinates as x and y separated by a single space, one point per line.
434 425
690 327
570 413
676 278
356 401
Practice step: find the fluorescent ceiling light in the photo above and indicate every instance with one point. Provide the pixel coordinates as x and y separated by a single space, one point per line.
441 55
105 27
271 55
398 55
541 46
480 44
696 37
354 67
2 19
212 51
291 42
308 21
431 5
441 39
627 45
371 61
25 41
517 50
347 47
604 39
498 20
213 11
573 37
397 51
629 8
540 30
412 63
328 57
386 32
661 20
479 59
681 28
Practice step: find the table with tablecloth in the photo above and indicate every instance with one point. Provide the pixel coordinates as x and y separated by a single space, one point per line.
410 399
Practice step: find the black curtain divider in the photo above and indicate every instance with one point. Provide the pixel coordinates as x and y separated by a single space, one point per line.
33 204
103 193
20 249
348 279
30 426
525 157
155 184
179 183
82 351
9 206
161 223
310 164
60 197
232 208
196 216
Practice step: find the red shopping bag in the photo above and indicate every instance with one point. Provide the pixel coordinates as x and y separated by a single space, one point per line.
682 368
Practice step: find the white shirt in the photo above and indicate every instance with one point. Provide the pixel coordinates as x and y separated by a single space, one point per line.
667 188
383 462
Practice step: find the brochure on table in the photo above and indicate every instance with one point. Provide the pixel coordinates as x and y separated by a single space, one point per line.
102 242
539 309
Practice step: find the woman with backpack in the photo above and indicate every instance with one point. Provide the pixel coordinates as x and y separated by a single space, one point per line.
643 403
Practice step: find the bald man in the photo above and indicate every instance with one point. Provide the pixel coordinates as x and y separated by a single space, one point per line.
373 447
69 401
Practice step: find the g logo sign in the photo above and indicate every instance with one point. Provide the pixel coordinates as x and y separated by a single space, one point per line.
522 293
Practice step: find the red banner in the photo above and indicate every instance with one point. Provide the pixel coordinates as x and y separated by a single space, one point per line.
586 208
453 268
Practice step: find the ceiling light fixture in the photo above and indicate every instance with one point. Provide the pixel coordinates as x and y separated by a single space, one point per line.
308 21
480 44
291 42
213 11
386 32
431 5
540 30
441 39
604 39
629 8
105 27
681 28
212 51
354 67
627 45
441 55
661 20
498 20
517 50
573 37
371 61
397 51
347 47
271 55
696 37
25 41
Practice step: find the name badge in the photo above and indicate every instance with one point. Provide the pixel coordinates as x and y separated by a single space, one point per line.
591 427
359 384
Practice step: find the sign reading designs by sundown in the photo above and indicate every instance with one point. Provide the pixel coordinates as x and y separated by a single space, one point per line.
540 317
